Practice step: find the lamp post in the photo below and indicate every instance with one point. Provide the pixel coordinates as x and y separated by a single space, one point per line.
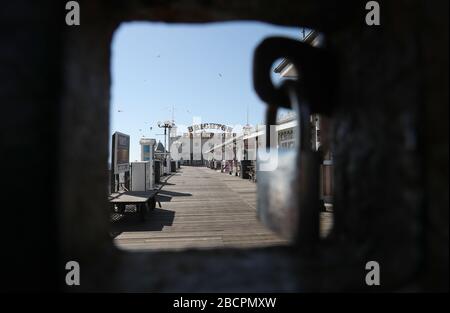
165 125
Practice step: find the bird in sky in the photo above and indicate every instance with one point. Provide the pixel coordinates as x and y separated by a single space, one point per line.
220 75
119 111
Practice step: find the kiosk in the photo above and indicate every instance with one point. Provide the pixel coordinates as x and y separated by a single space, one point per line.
142 176
147 149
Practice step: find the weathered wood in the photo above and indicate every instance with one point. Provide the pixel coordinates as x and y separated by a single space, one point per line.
201 208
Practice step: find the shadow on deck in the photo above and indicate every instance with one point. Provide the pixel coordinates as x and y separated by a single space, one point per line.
166 196
156 220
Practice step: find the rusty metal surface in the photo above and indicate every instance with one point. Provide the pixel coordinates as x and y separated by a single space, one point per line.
319 14
391 170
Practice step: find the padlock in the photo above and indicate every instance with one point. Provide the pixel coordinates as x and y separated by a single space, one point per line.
289 193
288 180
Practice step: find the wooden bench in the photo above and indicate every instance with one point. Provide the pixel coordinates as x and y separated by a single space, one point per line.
143 200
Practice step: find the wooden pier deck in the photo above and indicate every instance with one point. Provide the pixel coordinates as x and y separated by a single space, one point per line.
201 208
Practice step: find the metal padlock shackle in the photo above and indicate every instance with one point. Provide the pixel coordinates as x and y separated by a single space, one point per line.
316 66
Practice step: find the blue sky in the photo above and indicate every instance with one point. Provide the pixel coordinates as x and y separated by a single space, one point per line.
199 70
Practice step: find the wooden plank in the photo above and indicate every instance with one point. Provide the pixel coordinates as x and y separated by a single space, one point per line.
201 208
